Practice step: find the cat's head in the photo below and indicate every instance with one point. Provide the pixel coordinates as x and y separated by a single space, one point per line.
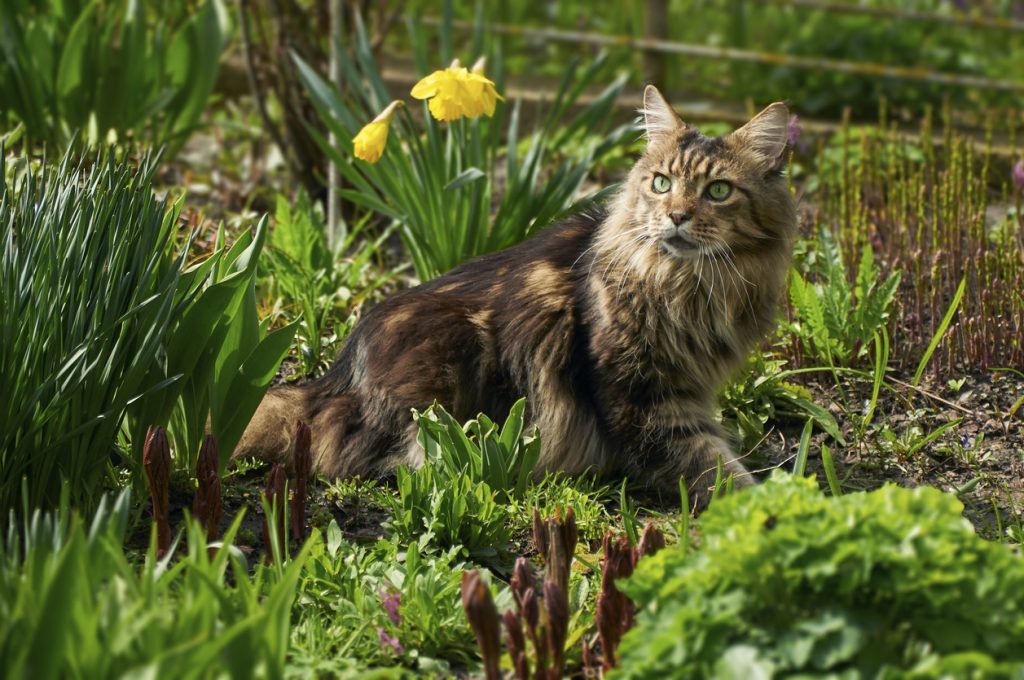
690 194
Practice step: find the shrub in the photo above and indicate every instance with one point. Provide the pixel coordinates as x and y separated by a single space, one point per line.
788 580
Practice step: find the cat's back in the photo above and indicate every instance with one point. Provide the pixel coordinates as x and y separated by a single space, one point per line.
491 313
557 250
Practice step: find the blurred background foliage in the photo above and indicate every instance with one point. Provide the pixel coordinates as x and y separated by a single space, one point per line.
899 36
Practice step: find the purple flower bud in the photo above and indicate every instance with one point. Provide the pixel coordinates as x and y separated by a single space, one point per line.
793 130
388 642
1018 175
391 602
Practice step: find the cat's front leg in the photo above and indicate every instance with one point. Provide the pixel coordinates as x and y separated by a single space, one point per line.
693 452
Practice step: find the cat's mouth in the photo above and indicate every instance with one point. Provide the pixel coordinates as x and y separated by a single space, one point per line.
680 246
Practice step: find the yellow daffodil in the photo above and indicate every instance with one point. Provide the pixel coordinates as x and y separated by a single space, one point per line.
456 92
370 142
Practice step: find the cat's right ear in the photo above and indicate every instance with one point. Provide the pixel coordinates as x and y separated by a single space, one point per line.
660 121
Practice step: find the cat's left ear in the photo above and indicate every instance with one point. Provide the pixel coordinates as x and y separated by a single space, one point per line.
765 136
660 121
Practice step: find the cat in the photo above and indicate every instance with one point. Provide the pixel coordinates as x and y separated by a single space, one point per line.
618 325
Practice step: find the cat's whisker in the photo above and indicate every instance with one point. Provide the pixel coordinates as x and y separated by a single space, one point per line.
729 258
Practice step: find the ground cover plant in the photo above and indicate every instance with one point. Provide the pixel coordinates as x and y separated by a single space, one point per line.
788 580
148 299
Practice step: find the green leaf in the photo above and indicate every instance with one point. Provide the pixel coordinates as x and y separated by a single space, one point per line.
940 332
465 177
249 385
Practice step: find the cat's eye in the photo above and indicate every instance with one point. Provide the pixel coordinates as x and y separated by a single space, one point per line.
661 184
719 190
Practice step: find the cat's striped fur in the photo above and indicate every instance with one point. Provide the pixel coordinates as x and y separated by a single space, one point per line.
619 327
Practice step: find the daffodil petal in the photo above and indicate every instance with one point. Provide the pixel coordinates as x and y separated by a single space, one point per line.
428 86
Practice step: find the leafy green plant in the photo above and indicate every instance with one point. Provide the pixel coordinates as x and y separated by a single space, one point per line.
502 458
789 581
836 320
75 604
764 394
458 496
314 286
93 69
435 508
219 353
463 188
90 290
382 604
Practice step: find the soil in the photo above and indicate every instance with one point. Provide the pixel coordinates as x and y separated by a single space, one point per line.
980 456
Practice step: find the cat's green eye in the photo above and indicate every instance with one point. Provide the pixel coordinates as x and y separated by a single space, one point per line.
719 191
661 184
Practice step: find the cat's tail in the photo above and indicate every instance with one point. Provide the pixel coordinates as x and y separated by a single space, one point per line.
269 434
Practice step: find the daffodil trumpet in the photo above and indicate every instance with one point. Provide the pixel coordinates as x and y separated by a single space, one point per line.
457 92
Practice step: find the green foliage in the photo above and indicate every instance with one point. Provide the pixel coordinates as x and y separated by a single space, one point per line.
503 459
350 594
836 320
74 605
787 28
457 497
90 290
465 188
557 490
73 602
764 395
314 286
91 69
883 584
101 320
855 149
218 352
433 508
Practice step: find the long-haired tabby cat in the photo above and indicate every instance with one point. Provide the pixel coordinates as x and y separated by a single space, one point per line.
618 327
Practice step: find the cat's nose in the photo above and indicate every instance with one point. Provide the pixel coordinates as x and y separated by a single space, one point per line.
678 217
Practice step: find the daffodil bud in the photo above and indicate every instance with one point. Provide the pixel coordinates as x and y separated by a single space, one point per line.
369 144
